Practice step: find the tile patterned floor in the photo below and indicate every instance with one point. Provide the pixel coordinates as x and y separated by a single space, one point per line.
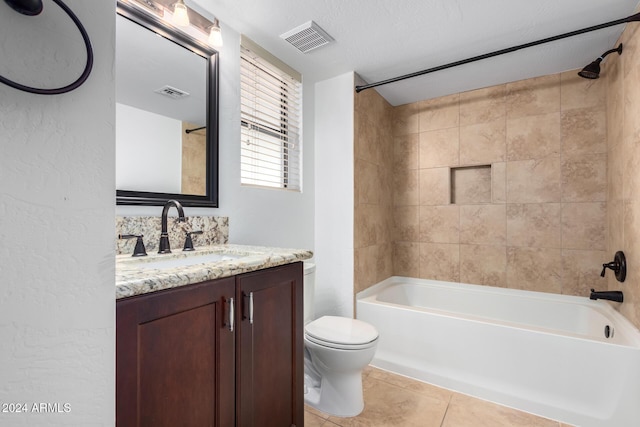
396 401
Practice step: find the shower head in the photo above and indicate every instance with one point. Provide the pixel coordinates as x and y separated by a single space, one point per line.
592 71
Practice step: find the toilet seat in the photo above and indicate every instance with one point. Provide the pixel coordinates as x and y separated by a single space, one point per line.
341 333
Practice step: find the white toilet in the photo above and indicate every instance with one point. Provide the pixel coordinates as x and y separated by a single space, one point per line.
336 351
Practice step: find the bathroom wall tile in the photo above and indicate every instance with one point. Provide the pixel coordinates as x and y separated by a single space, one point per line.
534 225
405 119
584 131
439 148
368 225
629 155
440 261
434 186
631 73
439 224
533 137
631 246
584 178
471 185
406 187
366 144
631 306
534 181
365 273
483 105
439 113
577 92
530 97
483 143
483 265
617 158
615 225
584 226
406 259
367 182
466 411
384 261
534 269
406 152
406 223
483 224
499 182
615 101
581 271
194 166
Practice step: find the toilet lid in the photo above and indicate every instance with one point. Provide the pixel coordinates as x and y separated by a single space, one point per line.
341 330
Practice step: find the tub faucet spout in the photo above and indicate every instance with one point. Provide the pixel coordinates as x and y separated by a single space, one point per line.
608 295
164 246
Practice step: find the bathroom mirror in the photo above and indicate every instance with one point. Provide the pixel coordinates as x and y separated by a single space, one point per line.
166 113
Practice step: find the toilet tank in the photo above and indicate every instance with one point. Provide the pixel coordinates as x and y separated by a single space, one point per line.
309 290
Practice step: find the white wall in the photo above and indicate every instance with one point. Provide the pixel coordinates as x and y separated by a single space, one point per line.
57 218
142 151
256 216
334 195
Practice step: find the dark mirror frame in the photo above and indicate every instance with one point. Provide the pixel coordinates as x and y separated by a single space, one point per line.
158 26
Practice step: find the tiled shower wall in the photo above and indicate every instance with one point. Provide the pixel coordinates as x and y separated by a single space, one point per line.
533 216
502 186
373 191
564 183
622 74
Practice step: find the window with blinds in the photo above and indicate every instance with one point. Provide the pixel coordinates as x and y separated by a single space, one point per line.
270 115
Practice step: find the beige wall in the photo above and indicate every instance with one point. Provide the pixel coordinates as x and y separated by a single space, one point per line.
372 190
623 115
536 219
194 165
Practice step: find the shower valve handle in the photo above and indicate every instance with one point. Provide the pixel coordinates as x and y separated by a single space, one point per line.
612 265
618 265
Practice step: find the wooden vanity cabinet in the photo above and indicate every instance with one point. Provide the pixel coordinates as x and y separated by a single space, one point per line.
269 348
178 363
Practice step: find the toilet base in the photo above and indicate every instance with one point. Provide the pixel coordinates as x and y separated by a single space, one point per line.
339 395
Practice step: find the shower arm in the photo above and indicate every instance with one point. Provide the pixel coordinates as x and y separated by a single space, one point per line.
632 18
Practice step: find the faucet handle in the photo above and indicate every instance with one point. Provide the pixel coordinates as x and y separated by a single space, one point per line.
188 243
139 250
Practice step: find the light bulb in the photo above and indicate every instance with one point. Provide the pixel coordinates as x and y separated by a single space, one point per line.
180 14
215 35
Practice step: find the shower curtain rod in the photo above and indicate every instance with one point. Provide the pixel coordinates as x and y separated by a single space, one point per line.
631 18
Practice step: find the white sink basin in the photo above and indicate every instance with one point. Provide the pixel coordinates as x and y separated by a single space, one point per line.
193 259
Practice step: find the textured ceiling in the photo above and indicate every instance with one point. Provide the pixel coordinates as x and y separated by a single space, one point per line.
380 39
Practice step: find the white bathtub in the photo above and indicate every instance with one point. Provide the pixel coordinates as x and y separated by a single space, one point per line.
542 353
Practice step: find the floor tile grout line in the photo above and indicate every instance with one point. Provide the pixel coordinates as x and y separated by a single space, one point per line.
444 417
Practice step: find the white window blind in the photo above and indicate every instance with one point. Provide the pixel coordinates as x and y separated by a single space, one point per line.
270 121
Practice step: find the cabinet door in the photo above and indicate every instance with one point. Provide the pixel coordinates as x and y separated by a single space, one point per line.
175 357
269 348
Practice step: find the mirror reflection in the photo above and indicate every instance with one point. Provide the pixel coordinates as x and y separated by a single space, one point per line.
163 149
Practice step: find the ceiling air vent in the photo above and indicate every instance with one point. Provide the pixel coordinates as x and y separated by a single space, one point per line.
172 92
307 37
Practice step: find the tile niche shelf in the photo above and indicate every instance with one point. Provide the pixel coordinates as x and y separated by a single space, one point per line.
471 185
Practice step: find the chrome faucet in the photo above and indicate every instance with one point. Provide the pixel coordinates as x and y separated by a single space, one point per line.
164 246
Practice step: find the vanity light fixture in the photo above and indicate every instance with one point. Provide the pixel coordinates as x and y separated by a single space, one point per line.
180 14
215 34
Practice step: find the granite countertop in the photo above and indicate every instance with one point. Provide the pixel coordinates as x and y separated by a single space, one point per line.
134 278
